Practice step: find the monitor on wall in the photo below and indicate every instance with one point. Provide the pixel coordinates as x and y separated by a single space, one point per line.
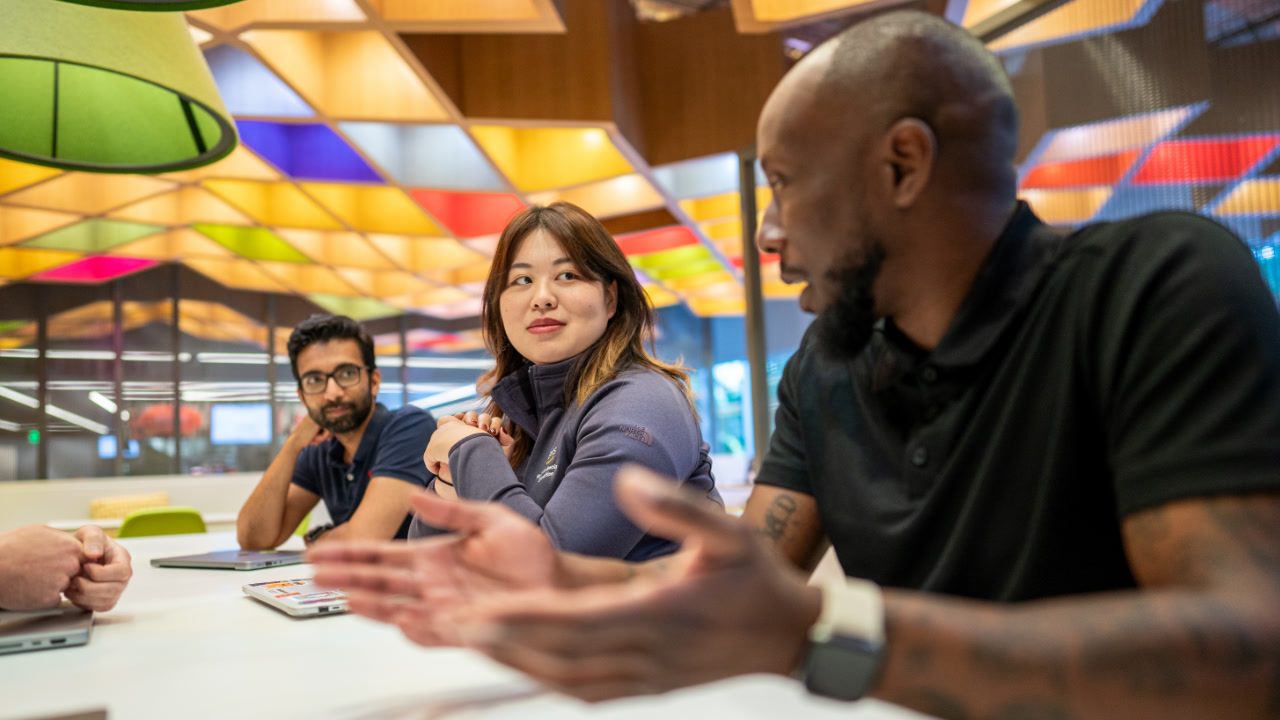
240 424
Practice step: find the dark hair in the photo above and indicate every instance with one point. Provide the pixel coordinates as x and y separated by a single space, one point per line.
321 328
597 256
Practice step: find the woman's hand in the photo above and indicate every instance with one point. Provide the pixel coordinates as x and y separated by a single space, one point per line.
449 431
491 424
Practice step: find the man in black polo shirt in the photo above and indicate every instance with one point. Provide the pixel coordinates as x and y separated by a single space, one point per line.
360 458
1049 462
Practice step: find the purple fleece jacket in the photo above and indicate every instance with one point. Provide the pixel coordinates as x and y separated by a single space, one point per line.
566 484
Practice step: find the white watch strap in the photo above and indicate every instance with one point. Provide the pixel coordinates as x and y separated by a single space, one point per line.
853 608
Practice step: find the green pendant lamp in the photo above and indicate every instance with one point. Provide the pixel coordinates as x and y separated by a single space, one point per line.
157 5
99 90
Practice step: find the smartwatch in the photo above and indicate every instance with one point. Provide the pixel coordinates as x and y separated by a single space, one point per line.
846 645
314 533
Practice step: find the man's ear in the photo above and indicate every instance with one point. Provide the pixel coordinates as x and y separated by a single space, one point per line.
910 151
375 379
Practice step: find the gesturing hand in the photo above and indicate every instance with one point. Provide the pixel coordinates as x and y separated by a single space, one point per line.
491 424
493 550
725 606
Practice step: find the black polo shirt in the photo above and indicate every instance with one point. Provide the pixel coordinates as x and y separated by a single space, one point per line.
1086 377
392 446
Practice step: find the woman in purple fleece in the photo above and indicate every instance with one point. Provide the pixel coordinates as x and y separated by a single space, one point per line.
574 394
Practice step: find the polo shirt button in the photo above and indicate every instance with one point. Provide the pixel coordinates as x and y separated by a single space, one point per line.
929 374
350 476
920 457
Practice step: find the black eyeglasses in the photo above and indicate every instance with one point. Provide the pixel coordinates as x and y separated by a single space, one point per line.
314 383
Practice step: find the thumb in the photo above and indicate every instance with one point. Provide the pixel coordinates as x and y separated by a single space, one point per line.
665 510
460 516
92 539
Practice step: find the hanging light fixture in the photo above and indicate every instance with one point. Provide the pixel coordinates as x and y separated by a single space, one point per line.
87 88
157 5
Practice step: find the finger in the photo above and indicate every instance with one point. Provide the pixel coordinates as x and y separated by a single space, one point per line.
99 597
664 509
417 622
377 606
472 418
115 572
389 554
370 579
461 516
448 420
93 540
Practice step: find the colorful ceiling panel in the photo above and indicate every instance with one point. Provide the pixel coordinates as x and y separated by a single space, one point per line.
252 11
724 206
436 296
1204 160
87 193
384 284
469 214
306 279
176 244
93 236
339 249
533 158
607 198
182 207
354 307
281 204
1110 137
1258 197
95 269
1067 207
241 164
248 88
354 75
236 273
655 241
1106 170
1069 21
18 224
18 263
14 175
252 242
306 151
426 156
378 209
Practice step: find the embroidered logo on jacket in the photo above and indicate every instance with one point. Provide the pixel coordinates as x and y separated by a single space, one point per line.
550 467
637 432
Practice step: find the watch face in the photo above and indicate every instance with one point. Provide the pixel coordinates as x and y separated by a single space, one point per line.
842 667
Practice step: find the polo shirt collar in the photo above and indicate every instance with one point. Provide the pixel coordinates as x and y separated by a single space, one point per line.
527 394
336 453
1023 253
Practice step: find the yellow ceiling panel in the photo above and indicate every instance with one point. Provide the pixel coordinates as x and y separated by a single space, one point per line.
437 296
236 273
724 230
274 203
18 263
779 289
1260 196
717 306
455 10
89 193
377 209
607 198
1067 20
425 254
241 164
548 158
17 224
704 281
1066 207
14 175
772 11
309 278
476 273
723 207
348 75
342 249
384 284
250 11
660 296
182 207
175 244
731 248
449 311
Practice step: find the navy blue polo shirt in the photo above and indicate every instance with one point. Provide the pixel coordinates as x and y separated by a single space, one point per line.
392 446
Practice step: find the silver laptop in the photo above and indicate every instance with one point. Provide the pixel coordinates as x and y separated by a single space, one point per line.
233 560
44 629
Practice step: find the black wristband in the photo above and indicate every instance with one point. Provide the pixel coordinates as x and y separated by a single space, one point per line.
442 480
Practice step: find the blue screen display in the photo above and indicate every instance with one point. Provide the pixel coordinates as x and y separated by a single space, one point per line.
240 424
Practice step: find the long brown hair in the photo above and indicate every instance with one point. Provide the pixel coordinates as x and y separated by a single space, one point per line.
596 255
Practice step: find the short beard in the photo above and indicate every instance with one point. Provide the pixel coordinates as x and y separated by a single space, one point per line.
846 325
357 412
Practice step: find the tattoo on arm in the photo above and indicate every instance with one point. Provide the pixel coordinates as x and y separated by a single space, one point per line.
777 517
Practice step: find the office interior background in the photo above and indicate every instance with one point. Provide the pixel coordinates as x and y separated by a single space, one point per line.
383 145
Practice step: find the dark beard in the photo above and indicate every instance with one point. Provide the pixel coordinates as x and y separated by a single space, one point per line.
356 414
845 326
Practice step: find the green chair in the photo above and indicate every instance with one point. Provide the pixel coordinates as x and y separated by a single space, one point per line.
303 526
171 520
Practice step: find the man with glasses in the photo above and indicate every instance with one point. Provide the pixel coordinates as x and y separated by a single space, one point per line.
360 458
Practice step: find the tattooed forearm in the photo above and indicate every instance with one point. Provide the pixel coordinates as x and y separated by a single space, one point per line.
777 517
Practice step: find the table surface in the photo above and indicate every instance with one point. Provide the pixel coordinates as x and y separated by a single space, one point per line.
190 644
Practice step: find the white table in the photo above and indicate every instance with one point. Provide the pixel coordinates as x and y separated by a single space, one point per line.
189 644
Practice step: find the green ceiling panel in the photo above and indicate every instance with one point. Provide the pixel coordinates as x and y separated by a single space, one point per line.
687 270
92 236
252 242
667 258
354 307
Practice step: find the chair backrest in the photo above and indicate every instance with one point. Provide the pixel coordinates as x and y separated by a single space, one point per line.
172 520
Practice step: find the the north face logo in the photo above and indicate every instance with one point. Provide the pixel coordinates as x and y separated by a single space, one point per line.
637 432
551 458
